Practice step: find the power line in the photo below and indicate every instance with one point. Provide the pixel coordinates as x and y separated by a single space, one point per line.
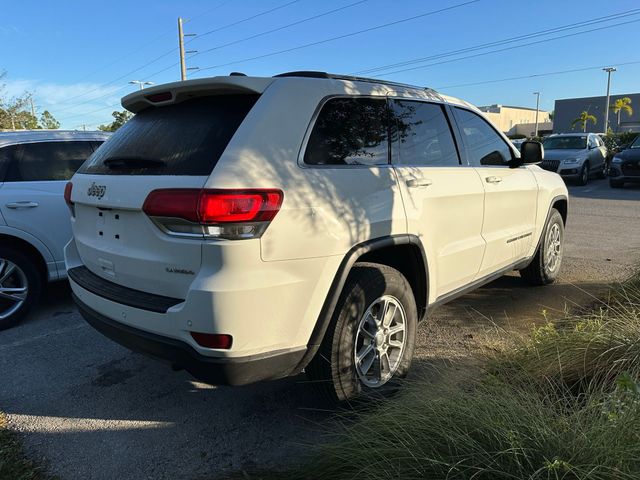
262 34
502 42
509 48
169 52
238 22
339 37
536 75
288 25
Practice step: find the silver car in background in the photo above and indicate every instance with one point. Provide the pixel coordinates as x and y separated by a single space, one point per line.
575 156
35 222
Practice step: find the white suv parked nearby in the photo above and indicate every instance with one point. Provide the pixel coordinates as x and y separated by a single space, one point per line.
250 228
34 219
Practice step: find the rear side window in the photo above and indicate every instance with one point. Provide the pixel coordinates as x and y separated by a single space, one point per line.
350 131
32 162
186 138
7 157
483 144
423 135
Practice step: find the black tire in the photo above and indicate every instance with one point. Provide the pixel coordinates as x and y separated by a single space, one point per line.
616 183
584 174
602 174
539 272
333 369
34 286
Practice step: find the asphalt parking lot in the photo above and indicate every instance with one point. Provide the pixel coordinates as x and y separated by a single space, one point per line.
91 409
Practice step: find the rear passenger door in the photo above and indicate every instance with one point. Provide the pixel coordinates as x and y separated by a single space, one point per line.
32 196
511 194
443 199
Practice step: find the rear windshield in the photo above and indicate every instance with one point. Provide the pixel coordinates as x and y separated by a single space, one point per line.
187 138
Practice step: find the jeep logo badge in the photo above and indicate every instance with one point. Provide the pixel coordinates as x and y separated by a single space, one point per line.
97 190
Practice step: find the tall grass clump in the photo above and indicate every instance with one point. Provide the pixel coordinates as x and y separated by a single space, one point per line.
489 430
13 463
592 348
562 404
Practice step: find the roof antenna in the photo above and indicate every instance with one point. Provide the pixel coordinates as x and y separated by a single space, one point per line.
237 74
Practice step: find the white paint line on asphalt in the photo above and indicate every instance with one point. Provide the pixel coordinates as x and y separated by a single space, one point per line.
37 338
47 424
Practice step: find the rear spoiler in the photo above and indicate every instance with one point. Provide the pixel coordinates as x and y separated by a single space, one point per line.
178 91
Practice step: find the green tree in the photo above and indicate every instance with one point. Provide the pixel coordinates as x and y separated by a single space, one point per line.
620 105
15 115
584 118
120 118
48 121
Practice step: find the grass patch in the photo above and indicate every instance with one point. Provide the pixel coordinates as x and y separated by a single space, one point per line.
13 463
564 403
593 348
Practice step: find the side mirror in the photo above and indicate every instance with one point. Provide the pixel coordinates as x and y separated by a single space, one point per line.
531 152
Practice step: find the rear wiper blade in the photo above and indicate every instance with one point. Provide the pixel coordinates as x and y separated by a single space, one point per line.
133 162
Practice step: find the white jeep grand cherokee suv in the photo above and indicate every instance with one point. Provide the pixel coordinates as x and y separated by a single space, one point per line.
249 228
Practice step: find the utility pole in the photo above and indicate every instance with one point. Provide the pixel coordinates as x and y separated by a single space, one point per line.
537 94
33 108
606 108
183 66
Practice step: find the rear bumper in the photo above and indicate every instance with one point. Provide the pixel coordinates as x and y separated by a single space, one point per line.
214 370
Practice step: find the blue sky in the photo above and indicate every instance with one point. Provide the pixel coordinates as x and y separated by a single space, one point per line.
78 57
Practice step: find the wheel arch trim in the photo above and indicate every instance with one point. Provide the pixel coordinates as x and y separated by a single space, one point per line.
340 278
41 248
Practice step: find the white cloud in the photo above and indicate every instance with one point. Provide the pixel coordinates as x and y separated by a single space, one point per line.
73 104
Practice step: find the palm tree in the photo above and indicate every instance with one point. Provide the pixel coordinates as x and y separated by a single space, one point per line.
622 104
583 119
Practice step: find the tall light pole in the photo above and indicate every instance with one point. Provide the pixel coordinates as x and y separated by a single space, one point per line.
537 94
140 83
606 108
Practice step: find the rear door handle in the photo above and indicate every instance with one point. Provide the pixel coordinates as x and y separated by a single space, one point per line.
15 205
414 183
493 179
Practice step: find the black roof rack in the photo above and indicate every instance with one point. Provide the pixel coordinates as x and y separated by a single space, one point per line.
333 76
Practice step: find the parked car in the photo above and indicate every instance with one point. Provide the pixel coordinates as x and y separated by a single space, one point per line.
625 165
575 156
34 219
517 142
247 228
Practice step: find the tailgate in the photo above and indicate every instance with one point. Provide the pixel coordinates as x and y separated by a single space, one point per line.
118 242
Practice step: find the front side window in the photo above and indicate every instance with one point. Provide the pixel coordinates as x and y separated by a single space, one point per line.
44 161
483 144
423 136
350 131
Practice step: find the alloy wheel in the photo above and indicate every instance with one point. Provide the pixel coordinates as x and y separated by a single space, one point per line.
554 248
14 288
380 341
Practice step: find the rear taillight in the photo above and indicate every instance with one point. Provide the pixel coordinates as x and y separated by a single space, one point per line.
231 214
67 198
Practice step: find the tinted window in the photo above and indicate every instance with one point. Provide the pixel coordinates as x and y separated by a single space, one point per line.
483 144
186 138
7 156
47 161
350 131
423 135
